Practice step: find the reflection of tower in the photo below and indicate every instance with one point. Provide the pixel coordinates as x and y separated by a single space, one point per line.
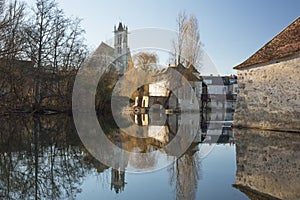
118 174
117 180
121 51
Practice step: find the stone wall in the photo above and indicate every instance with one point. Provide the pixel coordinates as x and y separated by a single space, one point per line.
269 96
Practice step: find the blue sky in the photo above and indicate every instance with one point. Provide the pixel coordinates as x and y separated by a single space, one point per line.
230 30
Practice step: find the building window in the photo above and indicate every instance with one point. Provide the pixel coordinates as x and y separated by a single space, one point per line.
119 39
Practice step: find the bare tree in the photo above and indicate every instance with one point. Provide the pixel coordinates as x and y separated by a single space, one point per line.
75 51
191 49
3 25
186 47
12 18
181 32
55 44
145 60
11 39
60 26
39 34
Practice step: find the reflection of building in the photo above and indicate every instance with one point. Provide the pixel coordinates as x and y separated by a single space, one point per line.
117 180
158 129
160 133
219 135
212 128
269 91
268 163
156 126
217 127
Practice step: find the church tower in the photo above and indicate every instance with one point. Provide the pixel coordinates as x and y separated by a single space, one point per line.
121 50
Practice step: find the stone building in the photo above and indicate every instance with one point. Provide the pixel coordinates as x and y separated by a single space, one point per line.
175 87
117 56
221 91
186 89
269 92
121 49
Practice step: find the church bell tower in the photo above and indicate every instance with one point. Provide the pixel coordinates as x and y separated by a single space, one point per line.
121 50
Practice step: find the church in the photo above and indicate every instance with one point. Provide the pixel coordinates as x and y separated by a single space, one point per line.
118 56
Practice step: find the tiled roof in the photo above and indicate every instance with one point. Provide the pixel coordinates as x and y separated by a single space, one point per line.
285 44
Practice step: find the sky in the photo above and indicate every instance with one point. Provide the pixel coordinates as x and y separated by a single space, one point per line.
231 30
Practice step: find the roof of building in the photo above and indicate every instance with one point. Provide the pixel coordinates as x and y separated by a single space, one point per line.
193 69
105 49
285 44
190 73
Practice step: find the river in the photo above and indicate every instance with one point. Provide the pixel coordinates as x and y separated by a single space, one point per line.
42 157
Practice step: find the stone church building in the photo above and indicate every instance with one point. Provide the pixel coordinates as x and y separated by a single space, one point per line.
269 84
119 55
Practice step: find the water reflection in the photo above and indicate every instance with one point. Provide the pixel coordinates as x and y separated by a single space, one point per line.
268 164
42 157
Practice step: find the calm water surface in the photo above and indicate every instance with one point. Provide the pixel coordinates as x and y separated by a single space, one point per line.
43 158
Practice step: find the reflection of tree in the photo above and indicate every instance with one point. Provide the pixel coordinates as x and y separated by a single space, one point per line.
184 174
40 158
